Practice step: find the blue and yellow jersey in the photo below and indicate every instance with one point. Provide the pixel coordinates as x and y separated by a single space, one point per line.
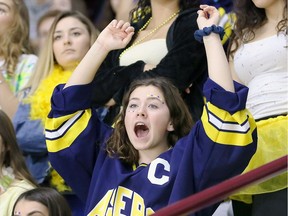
218 147
227 20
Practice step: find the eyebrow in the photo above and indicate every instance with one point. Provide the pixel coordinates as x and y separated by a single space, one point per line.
34 212
4 4
72 29
149 98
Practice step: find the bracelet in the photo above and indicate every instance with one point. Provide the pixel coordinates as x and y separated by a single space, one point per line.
199 34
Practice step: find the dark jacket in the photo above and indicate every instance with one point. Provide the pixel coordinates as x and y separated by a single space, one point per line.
185 64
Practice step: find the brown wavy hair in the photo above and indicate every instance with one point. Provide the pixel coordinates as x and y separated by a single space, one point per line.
10 153
119 144
16 40
248 18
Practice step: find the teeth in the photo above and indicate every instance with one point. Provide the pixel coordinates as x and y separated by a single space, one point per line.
139 123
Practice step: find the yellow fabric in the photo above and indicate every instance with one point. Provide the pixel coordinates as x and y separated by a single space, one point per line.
226 21
58 182
40 100
272 144
40 107
71 134
228 134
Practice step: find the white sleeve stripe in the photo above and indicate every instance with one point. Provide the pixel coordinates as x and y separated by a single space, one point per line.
55 134
229 127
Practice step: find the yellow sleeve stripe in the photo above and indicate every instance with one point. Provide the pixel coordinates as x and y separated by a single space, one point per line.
65 133
55 134
228 126
228 129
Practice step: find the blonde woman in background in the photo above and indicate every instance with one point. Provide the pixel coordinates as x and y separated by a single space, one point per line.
70 38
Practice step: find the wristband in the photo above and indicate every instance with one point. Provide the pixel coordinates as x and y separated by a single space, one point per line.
199 34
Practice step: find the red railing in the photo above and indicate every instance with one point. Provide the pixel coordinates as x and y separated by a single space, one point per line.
224 189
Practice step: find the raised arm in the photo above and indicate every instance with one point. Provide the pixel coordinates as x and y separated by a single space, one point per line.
218 67
115 36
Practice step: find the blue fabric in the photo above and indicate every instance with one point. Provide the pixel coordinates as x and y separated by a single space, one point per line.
31 140
106 184
76 206
199 34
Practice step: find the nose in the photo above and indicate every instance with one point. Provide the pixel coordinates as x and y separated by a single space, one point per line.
141 112
67 40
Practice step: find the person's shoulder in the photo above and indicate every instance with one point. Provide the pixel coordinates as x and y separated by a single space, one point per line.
27 62
12 193
28 57
187 14
185 22
21 185
16 188
187 19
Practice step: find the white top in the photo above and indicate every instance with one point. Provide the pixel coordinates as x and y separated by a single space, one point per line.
262 66
151 52
8 198
23 72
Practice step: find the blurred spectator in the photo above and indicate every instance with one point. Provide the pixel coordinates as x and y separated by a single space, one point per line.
103 11
16 61
43 27
37 8
41 201
225 4
122 8
14 175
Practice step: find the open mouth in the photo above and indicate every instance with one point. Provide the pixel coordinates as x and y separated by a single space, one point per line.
141 130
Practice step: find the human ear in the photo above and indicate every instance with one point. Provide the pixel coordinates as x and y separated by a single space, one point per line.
170 127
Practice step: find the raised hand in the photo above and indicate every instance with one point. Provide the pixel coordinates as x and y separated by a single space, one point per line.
116 35
207 16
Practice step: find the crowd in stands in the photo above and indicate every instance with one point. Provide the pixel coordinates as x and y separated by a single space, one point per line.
103 102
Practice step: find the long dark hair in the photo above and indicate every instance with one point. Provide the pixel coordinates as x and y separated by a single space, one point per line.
249 18
10 153
119 144
49 197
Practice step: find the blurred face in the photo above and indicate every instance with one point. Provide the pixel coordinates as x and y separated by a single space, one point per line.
114 4
71 41
61 5
147 121
6 15
43 30
30 208
267 3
